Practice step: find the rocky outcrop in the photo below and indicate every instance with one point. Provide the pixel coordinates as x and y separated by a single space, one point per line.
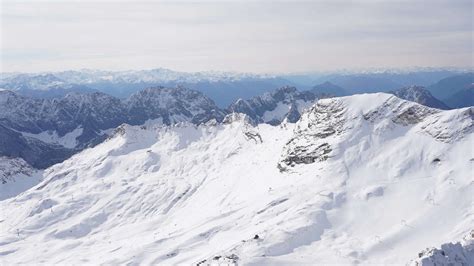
308 144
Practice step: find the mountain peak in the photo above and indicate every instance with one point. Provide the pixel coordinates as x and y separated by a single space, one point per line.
420 95
272 107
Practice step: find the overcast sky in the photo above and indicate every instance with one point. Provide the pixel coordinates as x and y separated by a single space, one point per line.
247 36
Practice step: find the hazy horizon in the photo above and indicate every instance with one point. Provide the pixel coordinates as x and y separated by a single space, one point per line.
246 36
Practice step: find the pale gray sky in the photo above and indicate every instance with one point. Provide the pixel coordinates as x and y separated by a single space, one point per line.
248 36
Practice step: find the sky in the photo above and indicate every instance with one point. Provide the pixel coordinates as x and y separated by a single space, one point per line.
243 36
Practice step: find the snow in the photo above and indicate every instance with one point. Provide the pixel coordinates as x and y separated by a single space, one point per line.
459 253
303 105
280 111
185 194
52 137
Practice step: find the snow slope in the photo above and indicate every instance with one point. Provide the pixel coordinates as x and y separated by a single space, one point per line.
359 179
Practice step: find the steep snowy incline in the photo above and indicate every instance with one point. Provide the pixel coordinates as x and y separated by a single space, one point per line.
393 178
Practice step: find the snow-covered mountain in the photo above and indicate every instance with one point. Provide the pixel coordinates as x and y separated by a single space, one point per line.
357 180
47 131
86 76
419 95
286 103
172 105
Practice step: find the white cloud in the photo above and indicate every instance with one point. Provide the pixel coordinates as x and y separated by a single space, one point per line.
247 36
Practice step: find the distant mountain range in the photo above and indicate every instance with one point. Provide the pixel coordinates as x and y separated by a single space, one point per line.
384 81
222 87
329 89
456 91
225 87
462 98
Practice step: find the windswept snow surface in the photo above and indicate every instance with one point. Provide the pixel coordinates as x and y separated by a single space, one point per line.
397 179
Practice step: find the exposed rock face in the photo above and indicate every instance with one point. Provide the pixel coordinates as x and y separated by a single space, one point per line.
37 129
274 107
308 145
419 95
